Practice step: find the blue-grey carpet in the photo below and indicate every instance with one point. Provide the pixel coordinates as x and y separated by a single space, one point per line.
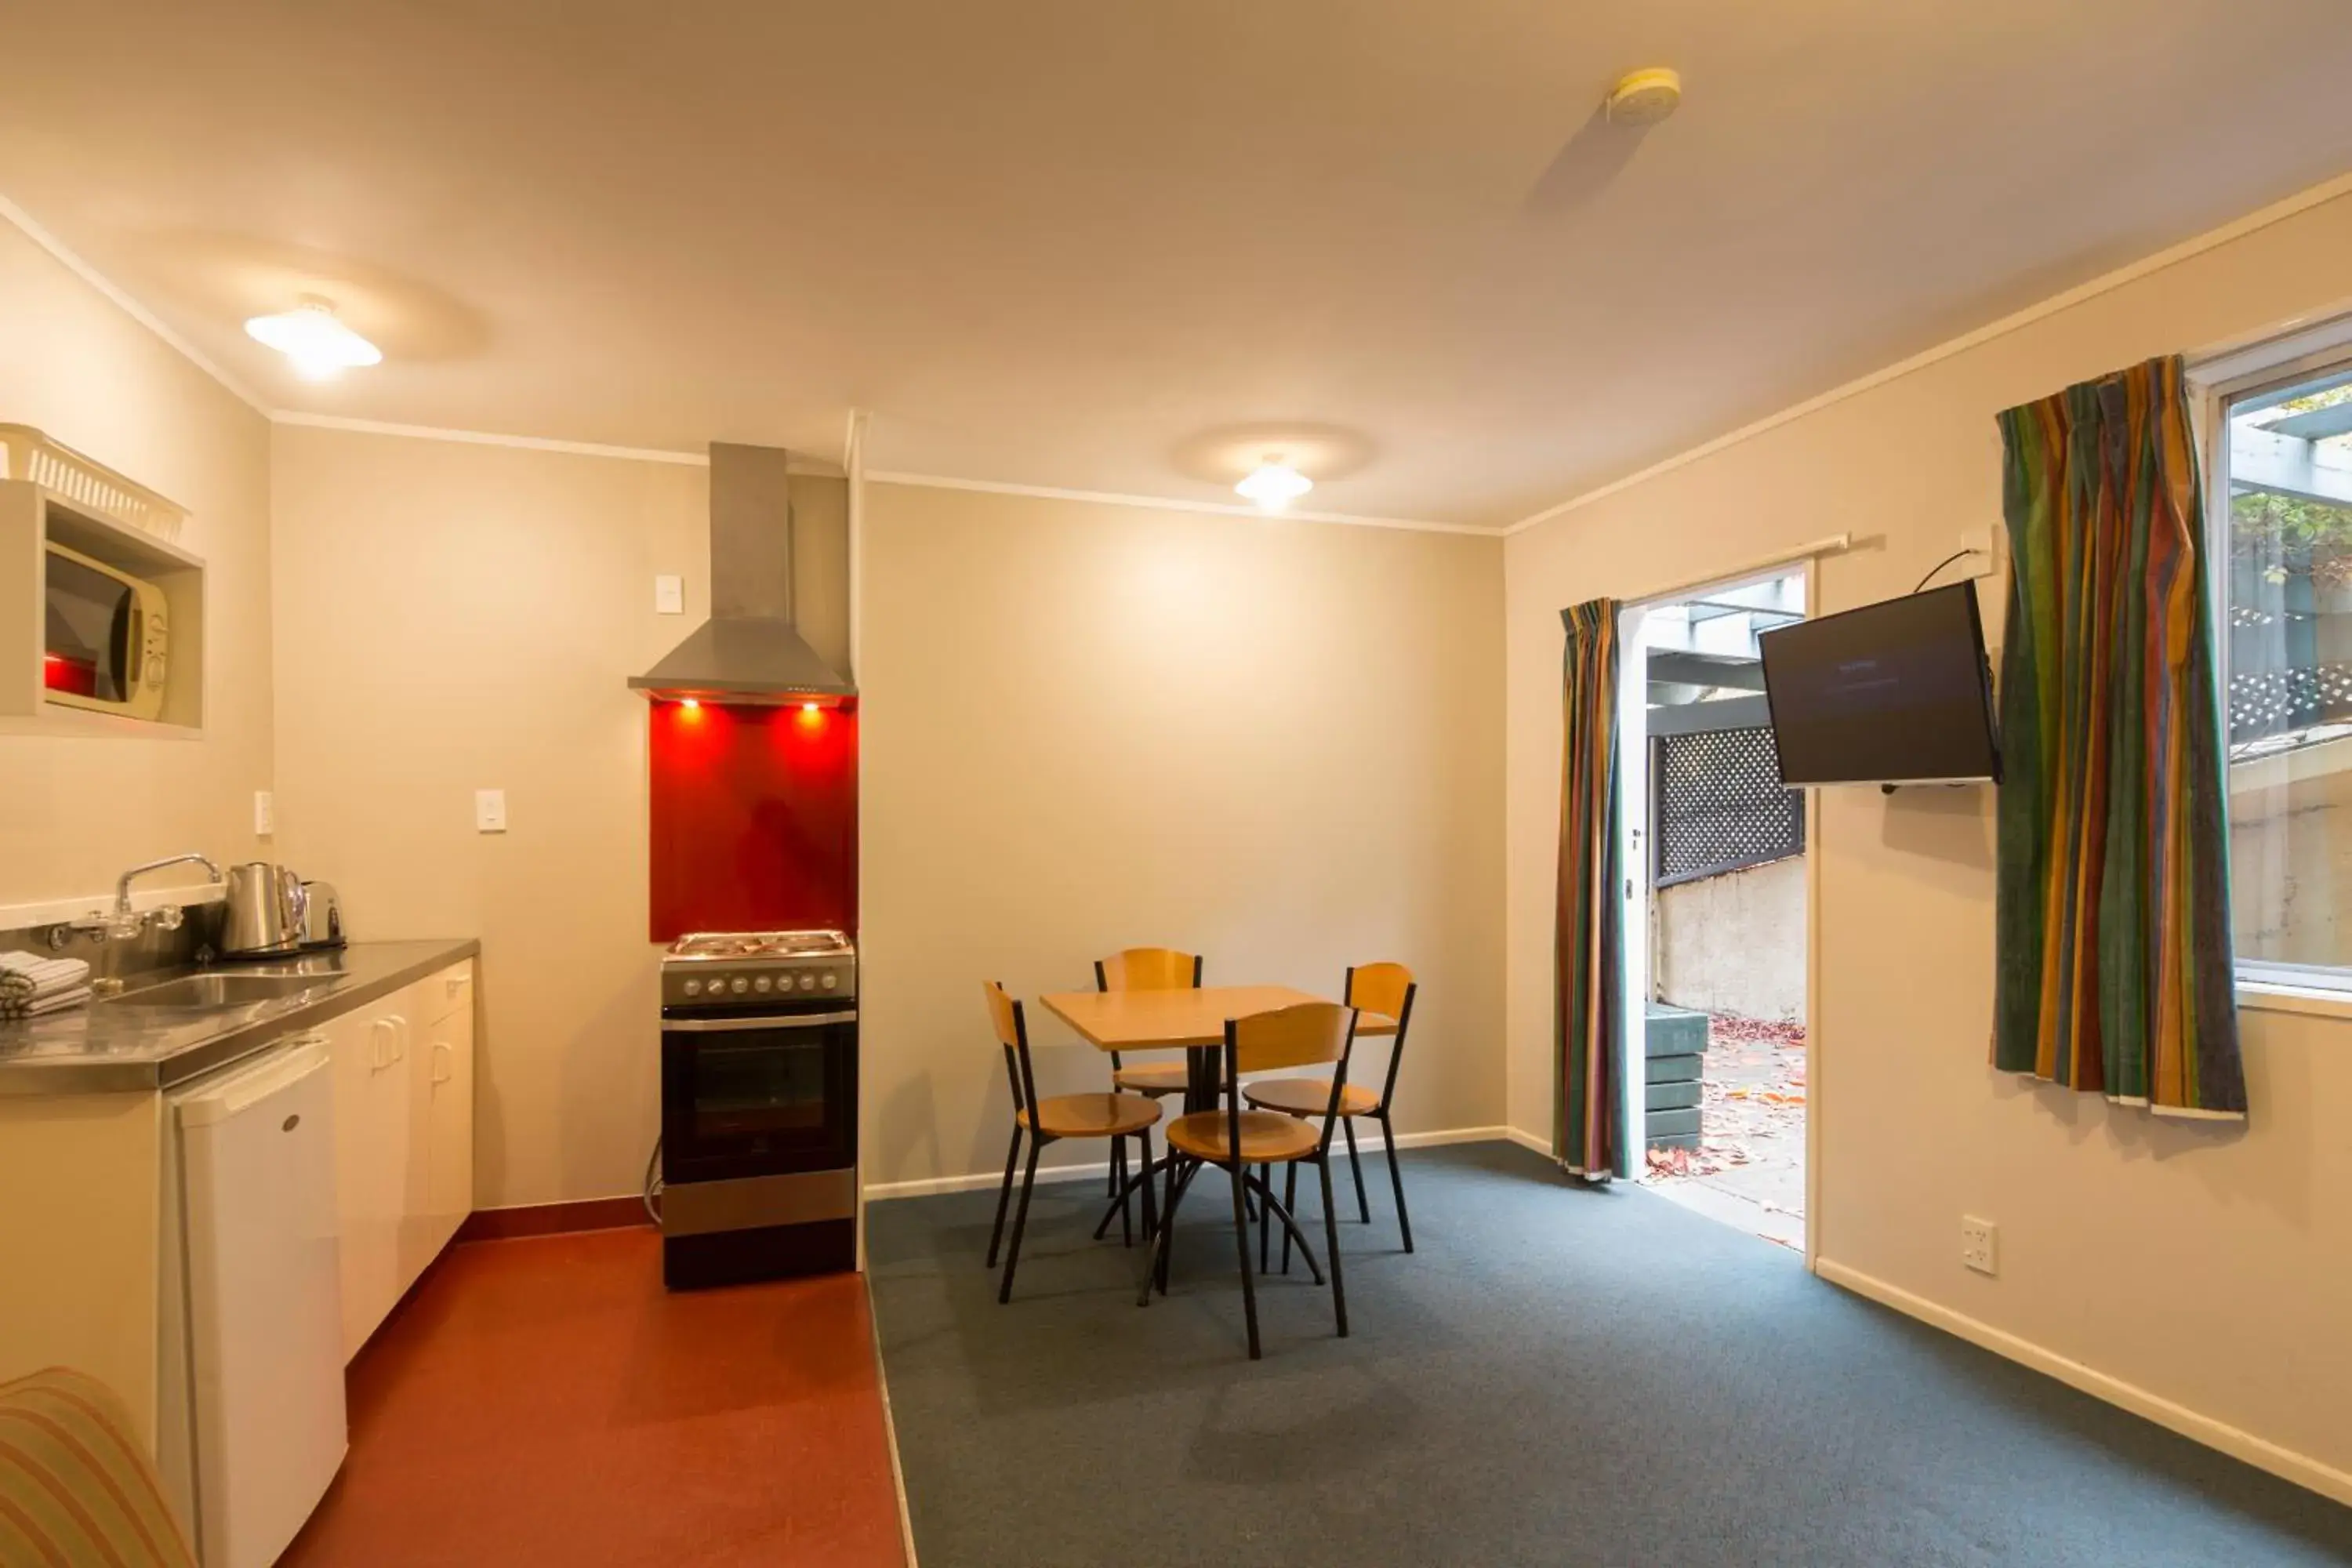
1559 1377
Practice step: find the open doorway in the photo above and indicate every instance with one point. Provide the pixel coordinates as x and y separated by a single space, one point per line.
1716 922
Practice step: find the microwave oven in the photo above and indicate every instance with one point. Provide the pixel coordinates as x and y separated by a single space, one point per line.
107 641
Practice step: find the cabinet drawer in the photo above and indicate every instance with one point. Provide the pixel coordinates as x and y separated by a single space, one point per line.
451 991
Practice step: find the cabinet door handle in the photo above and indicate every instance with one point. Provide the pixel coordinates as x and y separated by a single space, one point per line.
400 1039
442 1056
379 1044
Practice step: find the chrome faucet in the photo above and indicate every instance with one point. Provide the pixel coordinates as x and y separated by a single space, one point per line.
125 923
122 883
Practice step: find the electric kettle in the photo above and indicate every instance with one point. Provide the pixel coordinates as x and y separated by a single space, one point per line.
266 910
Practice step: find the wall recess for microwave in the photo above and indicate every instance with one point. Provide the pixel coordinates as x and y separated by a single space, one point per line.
101 614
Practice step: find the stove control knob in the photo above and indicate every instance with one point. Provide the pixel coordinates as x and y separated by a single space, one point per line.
831 980
740 985
808 982
760 984
694 988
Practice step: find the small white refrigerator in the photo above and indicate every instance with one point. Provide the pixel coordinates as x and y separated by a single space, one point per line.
252 1408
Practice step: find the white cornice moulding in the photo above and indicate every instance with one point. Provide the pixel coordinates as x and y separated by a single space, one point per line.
2197 245
1172 503
487 438
72 262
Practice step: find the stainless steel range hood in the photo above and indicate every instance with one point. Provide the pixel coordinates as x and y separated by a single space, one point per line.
749 651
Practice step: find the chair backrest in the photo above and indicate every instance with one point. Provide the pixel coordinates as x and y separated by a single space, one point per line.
1012 1028
1306 1035
1387 989
76 1484
1148 969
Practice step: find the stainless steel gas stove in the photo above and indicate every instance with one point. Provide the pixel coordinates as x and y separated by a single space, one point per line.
759 1105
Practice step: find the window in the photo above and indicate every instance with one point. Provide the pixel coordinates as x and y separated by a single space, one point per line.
2280 465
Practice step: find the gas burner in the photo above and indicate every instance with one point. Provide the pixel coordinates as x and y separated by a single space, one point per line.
760 944
736 969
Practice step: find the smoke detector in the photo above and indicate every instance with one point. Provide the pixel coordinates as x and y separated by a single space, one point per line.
1644 96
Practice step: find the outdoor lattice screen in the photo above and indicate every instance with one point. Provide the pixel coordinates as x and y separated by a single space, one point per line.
1719 805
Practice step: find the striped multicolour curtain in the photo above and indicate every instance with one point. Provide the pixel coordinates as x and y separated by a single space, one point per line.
2114 966
1589 957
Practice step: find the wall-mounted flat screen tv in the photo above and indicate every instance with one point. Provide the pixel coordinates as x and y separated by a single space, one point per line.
1897 692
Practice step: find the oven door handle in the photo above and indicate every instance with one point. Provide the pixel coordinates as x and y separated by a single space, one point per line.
771 1021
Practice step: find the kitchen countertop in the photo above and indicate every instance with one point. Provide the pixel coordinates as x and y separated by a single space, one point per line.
119 1046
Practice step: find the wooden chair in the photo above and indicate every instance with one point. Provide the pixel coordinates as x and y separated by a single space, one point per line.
1233 1140
1144 969
1117 1117
1387 989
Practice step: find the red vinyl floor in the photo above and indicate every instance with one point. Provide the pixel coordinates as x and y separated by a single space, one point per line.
547 1401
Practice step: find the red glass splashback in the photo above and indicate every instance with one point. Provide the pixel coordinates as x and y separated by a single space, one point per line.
754 817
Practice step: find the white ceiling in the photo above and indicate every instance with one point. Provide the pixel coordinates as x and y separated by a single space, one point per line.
1092 244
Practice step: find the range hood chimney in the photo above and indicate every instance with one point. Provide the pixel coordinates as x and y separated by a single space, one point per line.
749 651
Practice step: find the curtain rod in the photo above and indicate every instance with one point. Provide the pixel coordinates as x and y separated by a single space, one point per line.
1832 545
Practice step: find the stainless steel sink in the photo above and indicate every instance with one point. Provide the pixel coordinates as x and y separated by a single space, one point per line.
195 991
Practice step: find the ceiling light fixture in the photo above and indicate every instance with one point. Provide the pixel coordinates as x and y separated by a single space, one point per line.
1274 484
1644 96
320 346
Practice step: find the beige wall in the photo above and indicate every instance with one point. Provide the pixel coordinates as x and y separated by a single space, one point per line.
74 812
453 618
2210 1266
1088 727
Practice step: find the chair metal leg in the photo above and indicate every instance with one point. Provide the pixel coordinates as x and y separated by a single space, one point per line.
1118 1174
1291 1202
1396 1179
1331 1239
1239 1172
1155 1272
1143 1138
1265 1218
1020 1221
1363 1204
1004 1195
1291 1231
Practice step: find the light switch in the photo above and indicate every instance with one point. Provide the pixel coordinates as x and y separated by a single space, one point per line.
489 811
669 596
265 814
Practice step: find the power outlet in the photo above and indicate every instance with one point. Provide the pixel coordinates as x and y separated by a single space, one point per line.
1981 1245
489 811
265 814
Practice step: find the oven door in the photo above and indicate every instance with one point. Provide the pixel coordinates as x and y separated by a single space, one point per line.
757 1095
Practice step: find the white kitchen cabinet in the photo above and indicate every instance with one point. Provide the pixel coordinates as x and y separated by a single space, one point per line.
372 1162
404 1143
441 1125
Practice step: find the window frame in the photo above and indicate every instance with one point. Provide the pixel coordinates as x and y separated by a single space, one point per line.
2217 383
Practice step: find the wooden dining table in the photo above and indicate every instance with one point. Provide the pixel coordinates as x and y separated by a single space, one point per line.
1191 1019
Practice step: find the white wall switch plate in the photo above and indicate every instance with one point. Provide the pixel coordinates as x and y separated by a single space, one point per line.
265 814
669 596
1979 1242
489 811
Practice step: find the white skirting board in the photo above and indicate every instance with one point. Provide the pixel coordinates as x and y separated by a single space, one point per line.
1368 1141
2261 1453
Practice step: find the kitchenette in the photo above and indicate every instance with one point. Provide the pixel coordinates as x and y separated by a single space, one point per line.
239 1129
232 1153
